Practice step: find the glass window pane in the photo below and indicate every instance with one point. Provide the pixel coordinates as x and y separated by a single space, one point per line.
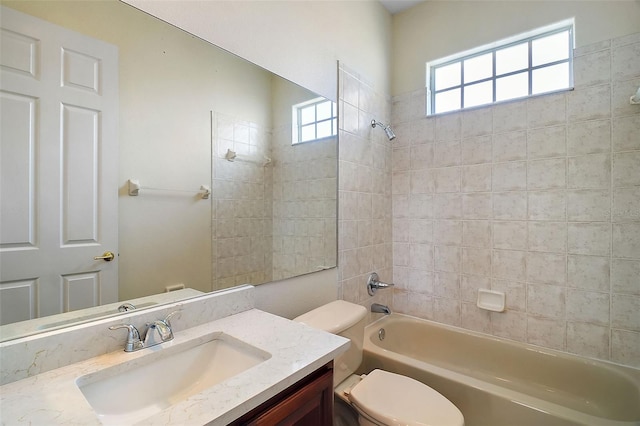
478 68
550 78
550 49
308 133
308 114
448 101
478 94
324 110
512 58
513 86
324 129
448 76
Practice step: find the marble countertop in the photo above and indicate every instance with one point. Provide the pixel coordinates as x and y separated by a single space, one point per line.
296 350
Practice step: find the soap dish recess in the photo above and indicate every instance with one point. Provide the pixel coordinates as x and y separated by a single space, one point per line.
491 300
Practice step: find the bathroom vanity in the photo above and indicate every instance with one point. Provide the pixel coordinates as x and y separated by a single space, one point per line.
241 365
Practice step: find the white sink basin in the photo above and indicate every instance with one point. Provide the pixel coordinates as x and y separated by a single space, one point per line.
134 390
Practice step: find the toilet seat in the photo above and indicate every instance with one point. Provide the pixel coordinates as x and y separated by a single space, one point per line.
392 399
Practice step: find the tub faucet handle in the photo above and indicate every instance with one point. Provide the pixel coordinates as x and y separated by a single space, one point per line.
374 284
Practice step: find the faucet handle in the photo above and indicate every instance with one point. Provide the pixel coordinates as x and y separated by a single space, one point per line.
133 337
374 284
167 319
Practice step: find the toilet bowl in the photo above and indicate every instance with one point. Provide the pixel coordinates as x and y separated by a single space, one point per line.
380 398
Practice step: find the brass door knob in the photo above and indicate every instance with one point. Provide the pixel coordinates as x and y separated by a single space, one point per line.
107 256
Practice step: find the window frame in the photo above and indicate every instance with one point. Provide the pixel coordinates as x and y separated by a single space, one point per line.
296 126
528 38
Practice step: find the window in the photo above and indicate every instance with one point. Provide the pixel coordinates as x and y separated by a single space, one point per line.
531 64
314 120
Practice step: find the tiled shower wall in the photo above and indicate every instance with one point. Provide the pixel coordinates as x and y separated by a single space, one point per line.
241 247
537 198
304 204
364 215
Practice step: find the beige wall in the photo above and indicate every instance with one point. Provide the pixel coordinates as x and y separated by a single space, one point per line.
436 29
298 40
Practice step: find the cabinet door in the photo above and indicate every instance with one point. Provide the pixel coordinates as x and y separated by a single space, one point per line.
307 403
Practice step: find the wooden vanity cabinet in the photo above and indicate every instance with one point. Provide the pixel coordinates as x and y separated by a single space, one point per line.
309 402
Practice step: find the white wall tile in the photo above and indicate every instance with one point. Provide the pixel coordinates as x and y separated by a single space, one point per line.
548 268
588 306
625 347
474 318
469 285
477 122
625 62
476 261
510 146
477 205
547 301
589 103
588 272
515 293
589 171
476 233
446 284
511 176
447 259
420 156
589 137
447 206
548 236
624 312
447 153
509 264
510 235
589 238
510 325
476 178
625 276
447 179
510 116
592 69
477 150
547 142
588 205
588 340
510 205
625 168
626 204
546 174
626 240
546 332
447 232
547 110
547 205
448 127
625 132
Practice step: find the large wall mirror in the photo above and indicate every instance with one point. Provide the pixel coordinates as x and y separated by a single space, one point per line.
192 115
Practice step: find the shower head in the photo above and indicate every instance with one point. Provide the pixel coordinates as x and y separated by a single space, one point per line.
387 129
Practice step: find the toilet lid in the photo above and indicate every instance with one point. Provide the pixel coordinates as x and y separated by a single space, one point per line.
393 399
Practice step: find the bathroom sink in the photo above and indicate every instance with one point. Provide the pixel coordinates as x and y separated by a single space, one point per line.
132 391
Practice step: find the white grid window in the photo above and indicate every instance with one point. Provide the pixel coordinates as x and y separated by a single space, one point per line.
314 120
536 63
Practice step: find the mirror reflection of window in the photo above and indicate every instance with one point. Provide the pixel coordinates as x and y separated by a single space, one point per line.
314 120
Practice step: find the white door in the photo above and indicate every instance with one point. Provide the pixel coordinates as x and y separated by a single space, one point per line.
58 169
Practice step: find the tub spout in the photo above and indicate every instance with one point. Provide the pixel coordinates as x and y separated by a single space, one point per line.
380 309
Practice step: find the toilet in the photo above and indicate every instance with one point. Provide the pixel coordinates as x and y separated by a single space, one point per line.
380 398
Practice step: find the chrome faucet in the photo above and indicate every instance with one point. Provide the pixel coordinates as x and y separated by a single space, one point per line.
158 332
380 309
126 307
374 284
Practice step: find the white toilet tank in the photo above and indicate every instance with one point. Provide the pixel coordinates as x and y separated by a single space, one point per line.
344 319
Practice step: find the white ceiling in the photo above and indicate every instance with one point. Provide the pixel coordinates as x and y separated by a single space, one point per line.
395 6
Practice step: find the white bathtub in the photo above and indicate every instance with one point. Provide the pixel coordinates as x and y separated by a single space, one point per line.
499 382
